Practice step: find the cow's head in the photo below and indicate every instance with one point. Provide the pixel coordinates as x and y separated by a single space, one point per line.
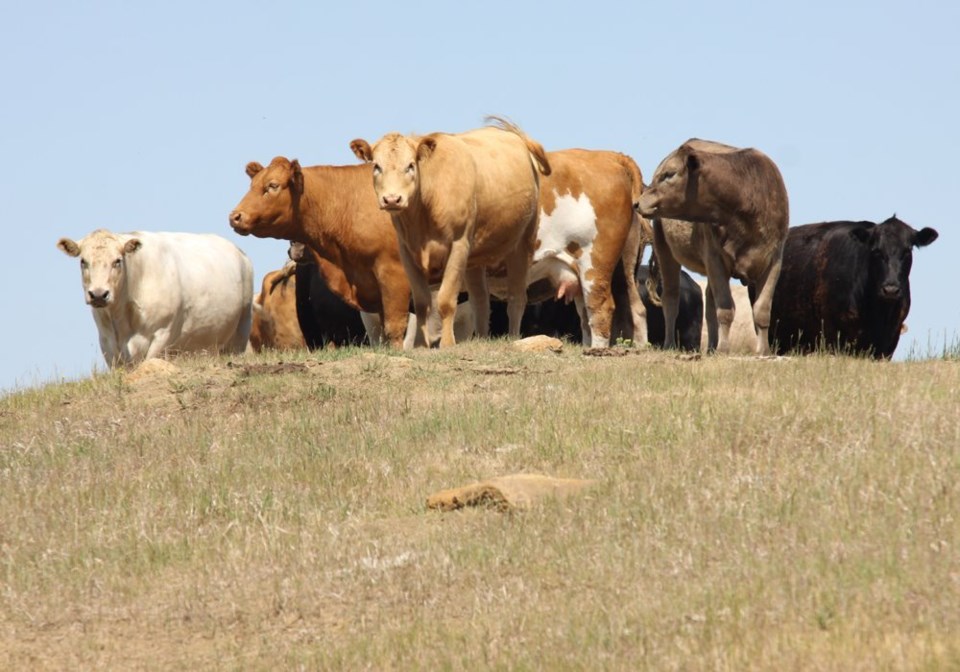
271 207
691 183
890 246
396 167
103 259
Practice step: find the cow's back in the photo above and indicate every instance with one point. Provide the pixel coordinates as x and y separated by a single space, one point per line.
492 168
200 286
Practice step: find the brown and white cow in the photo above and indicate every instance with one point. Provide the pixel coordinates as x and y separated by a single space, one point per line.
460 204
737 204
275 322
333 209
588 224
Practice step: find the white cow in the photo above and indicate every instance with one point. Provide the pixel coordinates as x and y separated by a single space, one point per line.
153 293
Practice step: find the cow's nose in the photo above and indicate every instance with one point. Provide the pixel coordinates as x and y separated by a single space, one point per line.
236 217
890 291
392 199
99 296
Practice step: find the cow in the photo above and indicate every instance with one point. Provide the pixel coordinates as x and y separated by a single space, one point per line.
689 312
325 319
723 212
275 322
460 203
154 293
332 209
845 286
584 236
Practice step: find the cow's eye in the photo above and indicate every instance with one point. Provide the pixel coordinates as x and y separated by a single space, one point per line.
117 262
410 169
273 186
666 176
377 169
84 264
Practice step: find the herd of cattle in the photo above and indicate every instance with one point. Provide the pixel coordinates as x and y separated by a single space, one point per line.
484 233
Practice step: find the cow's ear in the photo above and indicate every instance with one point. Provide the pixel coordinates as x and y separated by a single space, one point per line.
860 235
693 163
425 147
297 180
925 236
132 246
361 149
69 247
253 168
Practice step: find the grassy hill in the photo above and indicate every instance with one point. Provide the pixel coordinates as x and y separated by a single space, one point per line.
267 512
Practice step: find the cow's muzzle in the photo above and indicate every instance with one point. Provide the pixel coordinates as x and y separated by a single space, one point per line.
890 292
238 223
392 202
98 298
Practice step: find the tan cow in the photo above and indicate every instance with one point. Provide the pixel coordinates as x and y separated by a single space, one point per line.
275 322
737 202
333 209
460 204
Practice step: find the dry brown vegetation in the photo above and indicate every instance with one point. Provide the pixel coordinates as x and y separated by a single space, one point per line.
788 514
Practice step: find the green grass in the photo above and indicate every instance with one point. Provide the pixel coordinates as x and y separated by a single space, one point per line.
795 513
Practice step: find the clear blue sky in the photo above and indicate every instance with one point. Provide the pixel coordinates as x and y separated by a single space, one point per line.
130 116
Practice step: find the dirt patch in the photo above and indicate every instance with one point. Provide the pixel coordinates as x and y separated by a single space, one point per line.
279 368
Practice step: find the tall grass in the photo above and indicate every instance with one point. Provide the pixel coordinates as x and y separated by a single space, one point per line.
795 513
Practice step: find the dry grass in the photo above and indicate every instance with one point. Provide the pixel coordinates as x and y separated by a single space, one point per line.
789 514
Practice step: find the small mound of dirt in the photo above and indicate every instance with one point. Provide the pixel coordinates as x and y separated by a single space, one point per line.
507 493
539 343
152 368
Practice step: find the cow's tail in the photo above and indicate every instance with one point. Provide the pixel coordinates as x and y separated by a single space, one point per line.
535 148
636 177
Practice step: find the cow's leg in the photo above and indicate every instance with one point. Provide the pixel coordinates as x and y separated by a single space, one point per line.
710 315
719 282
632 251
595 281
763 303
140 347
479 300
585 334
420 290
241 337
373 325
670 279
450 289
517 263
394 304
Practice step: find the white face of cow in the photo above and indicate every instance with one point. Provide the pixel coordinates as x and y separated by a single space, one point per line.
102 264
395 160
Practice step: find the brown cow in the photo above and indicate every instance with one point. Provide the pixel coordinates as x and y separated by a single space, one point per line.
460 203
737 202
275 322
333 209
587 224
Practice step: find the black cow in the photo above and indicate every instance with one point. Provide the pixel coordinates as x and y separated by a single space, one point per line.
689 317
323 316
845 286
561 320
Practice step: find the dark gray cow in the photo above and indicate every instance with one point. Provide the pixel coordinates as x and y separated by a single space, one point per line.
737 204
